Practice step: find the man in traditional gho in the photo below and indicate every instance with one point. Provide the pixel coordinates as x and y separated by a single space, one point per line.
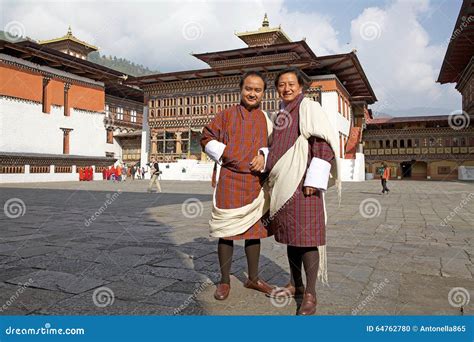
232 140
299 160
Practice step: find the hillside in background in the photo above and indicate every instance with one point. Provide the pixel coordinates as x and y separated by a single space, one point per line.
120 64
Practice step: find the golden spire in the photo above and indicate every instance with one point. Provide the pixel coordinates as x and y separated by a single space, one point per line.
69 31
265 22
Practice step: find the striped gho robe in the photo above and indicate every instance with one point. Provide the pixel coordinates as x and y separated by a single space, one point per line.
233 139
300 221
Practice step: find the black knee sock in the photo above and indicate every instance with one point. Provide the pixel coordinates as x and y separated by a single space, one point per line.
295 260
225 249
311 267
252 251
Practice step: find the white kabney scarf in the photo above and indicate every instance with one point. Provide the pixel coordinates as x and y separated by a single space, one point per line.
284 179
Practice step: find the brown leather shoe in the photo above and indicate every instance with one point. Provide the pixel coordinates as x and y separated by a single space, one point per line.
259 285
222 291
308 306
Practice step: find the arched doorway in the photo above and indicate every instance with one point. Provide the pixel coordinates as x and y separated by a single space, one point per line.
414 169
419 170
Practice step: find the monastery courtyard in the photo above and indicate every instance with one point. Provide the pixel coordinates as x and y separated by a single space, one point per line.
103 248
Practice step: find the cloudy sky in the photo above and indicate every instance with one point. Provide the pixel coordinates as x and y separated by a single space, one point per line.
400 43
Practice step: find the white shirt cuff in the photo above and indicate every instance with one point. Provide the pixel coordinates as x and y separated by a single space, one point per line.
214 149
264 150
317 175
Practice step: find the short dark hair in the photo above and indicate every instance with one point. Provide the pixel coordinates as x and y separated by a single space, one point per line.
253 73
292 70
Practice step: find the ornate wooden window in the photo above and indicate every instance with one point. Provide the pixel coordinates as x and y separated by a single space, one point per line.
444 170
39 169
119 113
12 169
110 136
63 169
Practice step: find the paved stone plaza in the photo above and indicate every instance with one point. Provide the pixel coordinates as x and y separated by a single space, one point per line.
94 248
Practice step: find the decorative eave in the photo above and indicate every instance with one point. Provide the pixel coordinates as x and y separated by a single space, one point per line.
350 73
69 37
466 75
300 47
461 46
58 62
410 119
264 36
39 54
48 71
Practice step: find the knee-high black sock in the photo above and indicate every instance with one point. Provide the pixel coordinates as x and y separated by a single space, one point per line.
311 267
252 251
225 249
295 260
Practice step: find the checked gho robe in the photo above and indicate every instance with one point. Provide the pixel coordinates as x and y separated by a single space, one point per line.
233 139
300 221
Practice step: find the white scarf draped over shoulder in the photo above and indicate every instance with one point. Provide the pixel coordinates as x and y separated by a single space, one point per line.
284 179
288 171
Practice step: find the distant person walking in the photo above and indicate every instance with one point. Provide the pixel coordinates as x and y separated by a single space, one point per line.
384 175
155 172
124 172
138 172
119 172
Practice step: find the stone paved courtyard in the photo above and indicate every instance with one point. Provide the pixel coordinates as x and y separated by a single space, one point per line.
94 248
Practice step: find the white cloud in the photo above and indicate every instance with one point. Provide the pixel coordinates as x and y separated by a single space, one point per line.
401 64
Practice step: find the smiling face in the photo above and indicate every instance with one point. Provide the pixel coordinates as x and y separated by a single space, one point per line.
252 91
288 87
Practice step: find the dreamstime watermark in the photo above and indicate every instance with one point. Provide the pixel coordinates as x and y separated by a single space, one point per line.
272 40
46 330
192 208
192 298
458 297
464 23
370 208
281 300
370 30
14 31
457 209
378 287
103 296
459 120
16 295
283 120
14 208
110 199
192 30
266 222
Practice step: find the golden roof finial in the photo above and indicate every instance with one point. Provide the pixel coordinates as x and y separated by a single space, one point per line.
69 31
265 22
